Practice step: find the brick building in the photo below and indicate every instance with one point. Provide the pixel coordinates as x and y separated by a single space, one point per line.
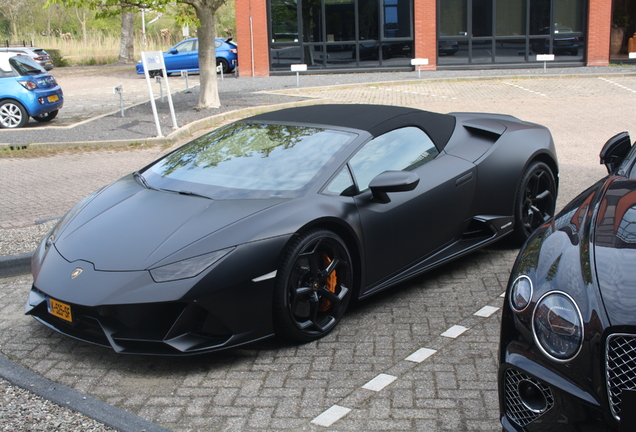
365 35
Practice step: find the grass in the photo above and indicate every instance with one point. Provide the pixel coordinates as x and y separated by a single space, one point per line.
98 50
20 151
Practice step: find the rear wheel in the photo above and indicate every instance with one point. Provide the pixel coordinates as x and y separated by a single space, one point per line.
313 286
12 114
536 199
224 64
46 117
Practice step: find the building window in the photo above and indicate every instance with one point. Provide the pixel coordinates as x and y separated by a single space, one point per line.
510 31
335 34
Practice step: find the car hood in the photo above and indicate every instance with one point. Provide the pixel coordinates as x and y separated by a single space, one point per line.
615 250
127 227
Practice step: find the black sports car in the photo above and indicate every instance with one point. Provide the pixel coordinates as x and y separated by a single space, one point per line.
568 331
272 224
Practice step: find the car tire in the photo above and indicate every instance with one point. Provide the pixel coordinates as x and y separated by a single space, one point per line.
225 65
46 117
536 199
313 286
12 114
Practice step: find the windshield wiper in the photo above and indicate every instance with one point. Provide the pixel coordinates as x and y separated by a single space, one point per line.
190 193
142 180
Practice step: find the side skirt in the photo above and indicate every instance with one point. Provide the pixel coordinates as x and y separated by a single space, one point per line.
481 231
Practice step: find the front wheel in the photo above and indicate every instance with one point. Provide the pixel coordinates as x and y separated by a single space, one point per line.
536 199
12 114
313 286
46 117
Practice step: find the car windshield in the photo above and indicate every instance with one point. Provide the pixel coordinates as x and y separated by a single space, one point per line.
246 160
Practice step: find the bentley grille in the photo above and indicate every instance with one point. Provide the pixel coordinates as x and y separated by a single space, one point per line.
621 368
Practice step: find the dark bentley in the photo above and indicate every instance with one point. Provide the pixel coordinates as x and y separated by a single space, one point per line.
272 224
568 331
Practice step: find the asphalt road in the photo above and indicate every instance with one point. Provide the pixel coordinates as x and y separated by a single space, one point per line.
372 372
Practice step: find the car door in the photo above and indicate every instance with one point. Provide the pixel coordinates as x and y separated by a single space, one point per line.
184 56
417 223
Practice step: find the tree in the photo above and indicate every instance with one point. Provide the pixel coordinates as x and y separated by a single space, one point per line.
127 44
205 12
12 10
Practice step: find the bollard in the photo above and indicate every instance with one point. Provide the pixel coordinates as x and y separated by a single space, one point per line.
159 79
120 91
184 73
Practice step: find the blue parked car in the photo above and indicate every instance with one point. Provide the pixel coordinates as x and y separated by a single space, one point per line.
185 56
26 90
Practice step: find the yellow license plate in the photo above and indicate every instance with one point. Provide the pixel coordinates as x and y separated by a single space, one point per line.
60 310
54 98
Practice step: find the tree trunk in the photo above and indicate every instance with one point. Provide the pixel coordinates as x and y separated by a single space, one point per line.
126 42
209 90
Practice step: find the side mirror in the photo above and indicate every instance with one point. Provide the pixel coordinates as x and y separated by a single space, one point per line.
173 51
392 181
615 150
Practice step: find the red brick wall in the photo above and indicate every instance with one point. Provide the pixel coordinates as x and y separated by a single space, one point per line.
425 19
252 36
598 32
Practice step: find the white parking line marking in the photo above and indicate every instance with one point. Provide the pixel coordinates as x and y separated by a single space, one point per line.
331 416
617 84
415 93
454 331
524 89
420 355
379 382
486 311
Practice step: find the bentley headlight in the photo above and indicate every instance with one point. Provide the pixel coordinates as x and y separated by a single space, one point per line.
521 293
187 268
558 326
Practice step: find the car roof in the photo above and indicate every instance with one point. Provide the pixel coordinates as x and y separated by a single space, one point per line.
374 119
4 60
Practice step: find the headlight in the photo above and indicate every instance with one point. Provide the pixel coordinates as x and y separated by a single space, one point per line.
521 293
558 326
187 268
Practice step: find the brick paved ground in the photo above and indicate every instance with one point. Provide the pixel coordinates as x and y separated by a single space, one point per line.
274 386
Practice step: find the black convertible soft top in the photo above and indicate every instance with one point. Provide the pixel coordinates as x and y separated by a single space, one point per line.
375 119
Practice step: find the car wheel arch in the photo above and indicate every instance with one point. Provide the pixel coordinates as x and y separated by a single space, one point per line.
551 163
350 238
23 108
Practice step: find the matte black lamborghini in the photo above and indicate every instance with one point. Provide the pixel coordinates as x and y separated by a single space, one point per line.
271 225
568 331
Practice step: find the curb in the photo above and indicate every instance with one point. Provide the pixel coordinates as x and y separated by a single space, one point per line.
64 396
15 265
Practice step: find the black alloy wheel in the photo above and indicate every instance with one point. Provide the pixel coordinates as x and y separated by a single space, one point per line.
536 199
313 286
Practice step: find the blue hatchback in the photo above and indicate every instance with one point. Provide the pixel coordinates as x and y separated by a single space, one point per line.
184 56
26 90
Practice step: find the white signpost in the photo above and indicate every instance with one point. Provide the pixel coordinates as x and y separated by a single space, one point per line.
153 60
298 68
545 58
419 62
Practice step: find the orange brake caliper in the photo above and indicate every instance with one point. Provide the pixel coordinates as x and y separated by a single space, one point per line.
330 285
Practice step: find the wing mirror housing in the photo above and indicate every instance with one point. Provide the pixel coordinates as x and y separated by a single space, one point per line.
392 181
615 150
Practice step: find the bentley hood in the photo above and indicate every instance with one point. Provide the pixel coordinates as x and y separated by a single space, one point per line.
127 227
615 250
